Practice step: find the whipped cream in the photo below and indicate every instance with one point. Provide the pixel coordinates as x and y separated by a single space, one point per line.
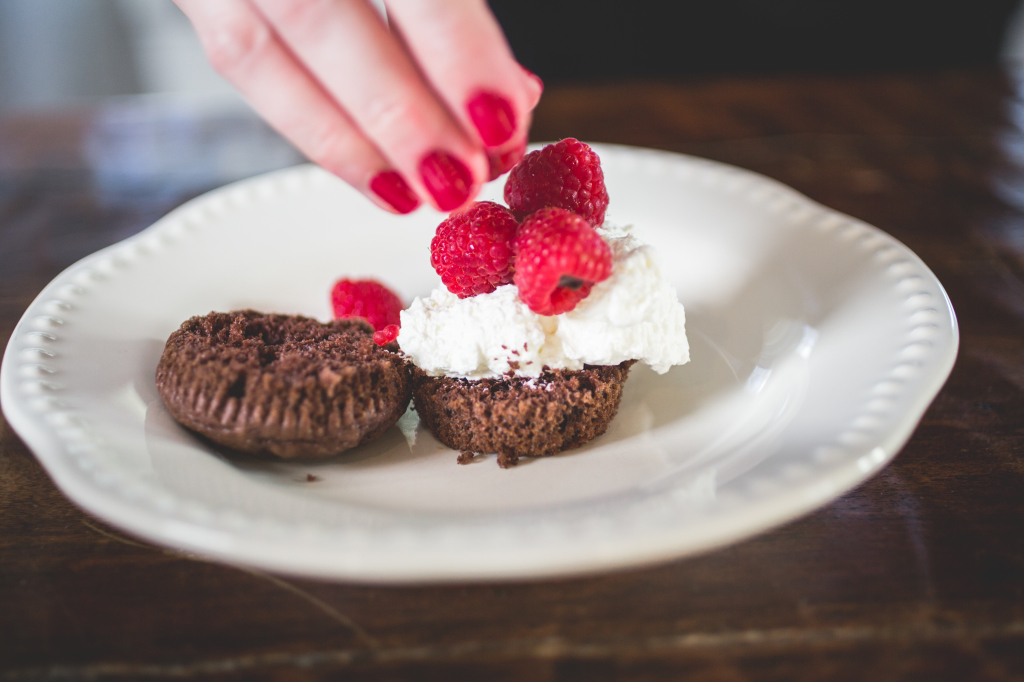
633 315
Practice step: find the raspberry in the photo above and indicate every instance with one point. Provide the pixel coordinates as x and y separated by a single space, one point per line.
559 258
472 250
386 335
368 299
565 174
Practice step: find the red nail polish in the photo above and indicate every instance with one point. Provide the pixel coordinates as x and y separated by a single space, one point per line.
447 179
392 188
493 117
503 163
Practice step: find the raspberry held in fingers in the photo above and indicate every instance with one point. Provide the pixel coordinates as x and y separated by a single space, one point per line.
392 188
447 179
493 117
559 258
473 251
366 298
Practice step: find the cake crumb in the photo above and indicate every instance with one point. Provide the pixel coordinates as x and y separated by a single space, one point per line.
310 478
507 460
465 457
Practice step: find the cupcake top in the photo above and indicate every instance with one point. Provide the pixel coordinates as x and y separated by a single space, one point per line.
282 384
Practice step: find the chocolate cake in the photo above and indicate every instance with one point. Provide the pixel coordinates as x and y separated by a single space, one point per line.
517 416
286 385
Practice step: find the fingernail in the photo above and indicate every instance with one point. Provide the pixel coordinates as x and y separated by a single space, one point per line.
503 163
392 188
447 179
493 117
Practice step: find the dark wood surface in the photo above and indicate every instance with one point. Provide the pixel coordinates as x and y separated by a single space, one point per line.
918 574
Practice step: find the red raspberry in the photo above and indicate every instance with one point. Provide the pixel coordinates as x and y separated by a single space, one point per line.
386 335
565 174
472 250
560 257
368 299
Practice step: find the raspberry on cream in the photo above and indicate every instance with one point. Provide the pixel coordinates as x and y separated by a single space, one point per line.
565 174
633 315
473 250
559 258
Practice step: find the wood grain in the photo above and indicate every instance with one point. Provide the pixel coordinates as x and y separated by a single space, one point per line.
916 574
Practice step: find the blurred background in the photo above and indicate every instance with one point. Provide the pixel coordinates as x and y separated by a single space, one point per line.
161 121
57 53
115 98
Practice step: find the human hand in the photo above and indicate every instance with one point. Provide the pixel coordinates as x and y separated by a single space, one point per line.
426 111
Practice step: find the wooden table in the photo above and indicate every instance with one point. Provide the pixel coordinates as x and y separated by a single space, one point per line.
917 574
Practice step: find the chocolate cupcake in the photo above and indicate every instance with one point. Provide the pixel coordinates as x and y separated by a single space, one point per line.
518 416
282 384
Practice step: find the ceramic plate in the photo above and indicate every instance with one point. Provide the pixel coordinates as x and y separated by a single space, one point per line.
817 342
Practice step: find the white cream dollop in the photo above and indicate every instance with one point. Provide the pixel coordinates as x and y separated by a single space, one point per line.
633 315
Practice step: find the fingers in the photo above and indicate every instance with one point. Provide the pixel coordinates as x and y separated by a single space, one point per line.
246 51
460 48
535 87
348 48
425 113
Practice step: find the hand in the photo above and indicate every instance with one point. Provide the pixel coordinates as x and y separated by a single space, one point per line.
426 111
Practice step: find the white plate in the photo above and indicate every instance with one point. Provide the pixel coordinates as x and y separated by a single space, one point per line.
817 343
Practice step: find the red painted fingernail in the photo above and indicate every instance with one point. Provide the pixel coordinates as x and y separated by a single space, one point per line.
447 179
392 188
502 163
493 117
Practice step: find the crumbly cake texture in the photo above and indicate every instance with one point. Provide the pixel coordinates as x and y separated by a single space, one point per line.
520 417
286 385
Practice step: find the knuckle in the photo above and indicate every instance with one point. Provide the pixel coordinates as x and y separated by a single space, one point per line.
395 116
331 146
323 147
231 46
299 15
